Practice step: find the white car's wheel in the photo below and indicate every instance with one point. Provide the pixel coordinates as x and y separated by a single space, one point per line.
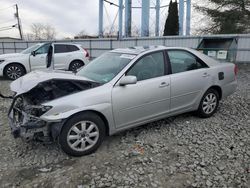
14 71
74 65
209 103
82 134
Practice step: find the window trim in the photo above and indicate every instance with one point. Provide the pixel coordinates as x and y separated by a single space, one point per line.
166 67
181 50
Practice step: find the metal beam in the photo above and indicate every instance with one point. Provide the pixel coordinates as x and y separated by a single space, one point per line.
181 16
188 17
145 18
120 18
157 19
100 18
128 5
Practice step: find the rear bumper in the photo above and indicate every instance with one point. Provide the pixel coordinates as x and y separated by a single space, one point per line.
229 89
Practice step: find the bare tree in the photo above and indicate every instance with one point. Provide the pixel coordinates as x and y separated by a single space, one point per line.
40 31
36 31
49 32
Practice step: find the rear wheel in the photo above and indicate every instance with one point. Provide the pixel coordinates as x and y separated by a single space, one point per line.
209 104
74 65
82 134
14 71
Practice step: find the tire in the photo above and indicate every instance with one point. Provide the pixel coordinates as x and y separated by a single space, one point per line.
74 65
75 138
14 71
209 104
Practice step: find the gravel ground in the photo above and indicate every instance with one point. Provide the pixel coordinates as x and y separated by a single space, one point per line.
183 151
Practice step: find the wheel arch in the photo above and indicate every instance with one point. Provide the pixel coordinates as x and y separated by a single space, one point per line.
56 130
218 89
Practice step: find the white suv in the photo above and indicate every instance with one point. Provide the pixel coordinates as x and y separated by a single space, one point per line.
66 57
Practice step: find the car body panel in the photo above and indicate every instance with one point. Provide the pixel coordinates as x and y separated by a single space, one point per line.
133 103
33 78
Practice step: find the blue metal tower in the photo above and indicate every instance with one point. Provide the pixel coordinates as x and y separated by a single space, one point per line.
181 16
188 17
128 17
145 13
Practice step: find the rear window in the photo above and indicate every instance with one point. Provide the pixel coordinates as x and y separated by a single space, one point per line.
72 48
64 48
61 48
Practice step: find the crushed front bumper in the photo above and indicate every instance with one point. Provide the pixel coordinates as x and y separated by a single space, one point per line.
25 125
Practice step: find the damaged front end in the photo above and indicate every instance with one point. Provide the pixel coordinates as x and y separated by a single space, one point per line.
25 121
27 108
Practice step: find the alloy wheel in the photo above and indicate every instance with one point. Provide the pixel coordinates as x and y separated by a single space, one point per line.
14 72
209 103
76 66
83 136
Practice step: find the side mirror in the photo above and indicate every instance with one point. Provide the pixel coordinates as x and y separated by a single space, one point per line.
33 53
127 80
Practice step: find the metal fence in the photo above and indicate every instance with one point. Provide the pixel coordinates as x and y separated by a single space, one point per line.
98 46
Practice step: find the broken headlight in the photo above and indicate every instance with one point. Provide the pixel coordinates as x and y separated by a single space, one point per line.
36 110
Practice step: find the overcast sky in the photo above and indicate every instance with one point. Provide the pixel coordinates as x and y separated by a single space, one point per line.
69 17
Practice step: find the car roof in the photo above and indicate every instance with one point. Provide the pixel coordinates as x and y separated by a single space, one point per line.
137 49
141 49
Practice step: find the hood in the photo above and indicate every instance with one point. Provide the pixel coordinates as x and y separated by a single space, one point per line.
32 79
7 56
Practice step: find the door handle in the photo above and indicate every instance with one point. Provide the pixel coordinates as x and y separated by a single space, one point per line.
205 74
164 84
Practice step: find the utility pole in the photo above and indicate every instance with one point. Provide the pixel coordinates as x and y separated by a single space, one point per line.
19 23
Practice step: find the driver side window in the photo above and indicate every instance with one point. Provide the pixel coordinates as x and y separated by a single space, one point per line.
43 49
150 66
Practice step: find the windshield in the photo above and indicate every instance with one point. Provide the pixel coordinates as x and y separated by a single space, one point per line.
30 49
106 67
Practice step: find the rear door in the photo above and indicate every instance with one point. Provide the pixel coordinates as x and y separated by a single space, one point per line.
148 98
188 79
63 55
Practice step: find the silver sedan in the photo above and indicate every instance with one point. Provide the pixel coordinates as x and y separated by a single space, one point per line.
121 89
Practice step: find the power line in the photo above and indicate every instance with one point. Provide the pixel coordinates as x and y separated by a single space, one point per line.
2 9
7 28
8 21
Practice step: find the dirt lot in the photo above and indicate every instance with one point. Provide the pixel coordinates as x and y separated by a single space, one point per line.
182 151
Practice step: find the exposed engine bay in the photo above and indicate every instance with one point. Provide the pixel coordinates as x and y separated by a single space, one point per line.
56 88
26 108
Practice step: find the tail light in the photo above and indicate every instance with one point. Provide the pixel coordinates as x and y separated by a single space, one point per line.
235 70
87 53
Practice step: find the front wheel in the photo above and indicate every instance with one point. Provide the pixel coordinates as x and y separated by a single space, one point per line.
209 104
82 134
14 71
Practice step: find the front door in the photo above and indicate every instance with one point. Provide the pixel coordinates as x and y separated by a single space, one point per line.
38 62
148 98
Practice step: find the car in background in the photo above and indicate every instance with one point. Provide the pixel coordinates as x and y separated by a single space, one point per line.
121 89
66 57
